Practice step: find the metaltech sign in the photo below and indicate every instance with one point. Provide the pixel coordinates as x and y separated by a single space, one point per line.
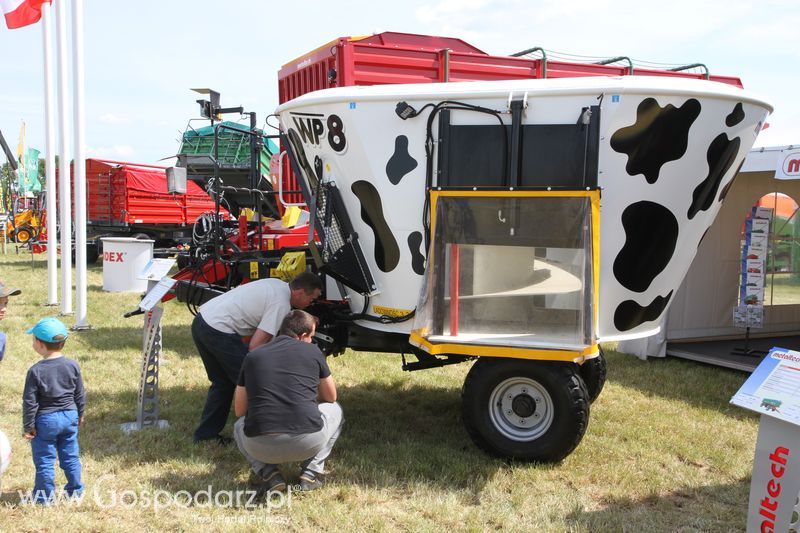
788 165
776 478
773 390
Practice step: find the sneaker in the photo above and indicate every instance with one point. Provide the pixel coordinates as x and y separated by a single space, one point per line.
223 441
310 480
216 439
263 485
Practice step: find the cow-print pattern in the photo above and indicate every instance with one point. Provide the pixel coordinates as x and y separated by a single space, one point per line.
397 167
720 156
387 253
417 259
401 162
659 135
630 314
651 233
652 229
666 128
726 189
736 116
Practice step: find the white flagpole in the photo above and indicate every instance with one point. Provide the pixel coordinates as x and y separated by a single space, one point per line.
80 165
50 160
63 166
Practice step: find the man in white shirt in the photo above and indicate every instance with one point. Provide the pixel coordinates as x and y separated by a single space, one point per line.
253 310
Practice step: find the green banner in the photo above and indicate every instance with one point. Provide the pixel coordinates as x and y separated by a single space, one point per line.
32 170
29 172
5 192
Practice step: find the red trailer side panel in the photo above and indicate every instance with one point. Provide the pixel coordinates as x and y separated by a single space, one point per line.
124 194
391 57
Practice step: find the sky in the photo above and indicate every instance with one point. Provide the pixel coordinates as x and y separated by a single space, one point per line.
143 57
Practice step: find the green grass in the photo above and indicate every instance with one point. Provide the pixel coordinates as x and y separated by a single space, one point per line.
782 289
664 451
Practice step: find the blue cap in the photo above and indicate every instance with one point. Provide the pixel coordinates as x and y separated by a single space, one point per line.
50 329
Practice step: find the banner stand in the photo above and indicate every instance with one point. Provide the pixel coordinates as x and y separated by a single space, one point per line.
773 390
148 401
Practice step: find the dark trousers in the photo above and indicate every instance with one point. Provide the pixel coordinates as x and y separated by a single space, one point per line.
222 355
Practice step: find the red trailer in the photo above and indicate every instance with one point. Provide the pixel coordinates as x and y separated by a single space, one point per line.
392 57
131 199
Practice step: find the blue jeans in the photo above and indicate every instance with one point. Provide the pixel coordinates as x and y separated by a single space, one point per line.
56 434
222 355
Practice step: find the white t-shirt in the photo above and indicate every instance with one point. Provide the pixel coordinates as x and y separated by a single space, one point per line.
259 304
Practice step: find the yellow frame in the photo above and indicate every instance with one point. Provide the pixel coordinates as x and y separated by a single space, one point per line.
480 350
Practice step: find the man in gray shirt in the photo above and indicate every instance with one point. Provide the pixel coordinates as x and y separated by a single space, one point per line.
252 310
286 398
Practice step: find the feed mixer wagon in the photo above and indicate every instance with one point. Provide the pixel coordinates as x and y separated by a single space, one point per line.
513 223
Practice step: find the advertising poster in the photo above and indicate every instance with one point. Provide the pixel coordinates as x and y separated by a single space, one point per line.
774 387
755 316
755 246
760 226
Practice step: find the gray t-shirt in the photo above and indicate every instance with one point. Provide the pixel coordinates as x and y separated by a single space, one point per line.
282 379
259 304
52 385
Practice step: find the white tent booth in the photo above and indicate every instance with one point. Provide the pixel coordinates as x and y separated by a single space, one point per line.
700 324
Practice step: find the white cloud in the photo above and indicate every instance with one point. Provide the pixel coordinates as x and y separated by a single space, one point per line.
782 130
675 33
446 8
111 118
111 152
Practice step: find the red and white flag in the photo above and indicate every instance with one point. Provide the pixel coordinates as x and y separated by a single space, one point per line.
21 13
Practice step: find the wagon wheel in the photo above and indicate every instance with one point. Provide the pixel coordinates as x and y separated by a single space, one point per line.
527 410
24 234
593 373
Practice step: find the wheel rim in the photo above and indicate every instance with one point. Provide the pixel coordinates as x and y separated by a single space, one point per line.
521 409
23 235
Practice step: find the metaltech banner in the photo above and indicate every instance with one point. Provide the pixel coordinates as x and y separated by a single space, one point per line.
775 487
788 165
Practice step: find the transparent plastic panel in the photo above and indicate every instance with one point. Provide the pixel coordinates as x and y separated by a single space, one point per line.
509 271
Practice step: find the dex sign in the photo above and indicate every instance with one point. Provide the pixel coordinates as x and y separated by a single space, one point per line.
788 165
114 257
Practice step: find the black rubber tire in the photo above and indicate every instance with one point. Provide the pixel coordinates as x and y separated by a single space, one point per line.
569 399
24 234
92 253
593 373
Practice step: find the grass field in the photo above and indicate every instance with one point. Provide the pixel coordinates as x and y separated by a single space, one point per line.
782 289
664 450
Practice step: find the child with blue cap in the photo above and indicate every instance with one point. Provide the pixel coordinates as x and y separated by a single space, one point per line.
52 409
